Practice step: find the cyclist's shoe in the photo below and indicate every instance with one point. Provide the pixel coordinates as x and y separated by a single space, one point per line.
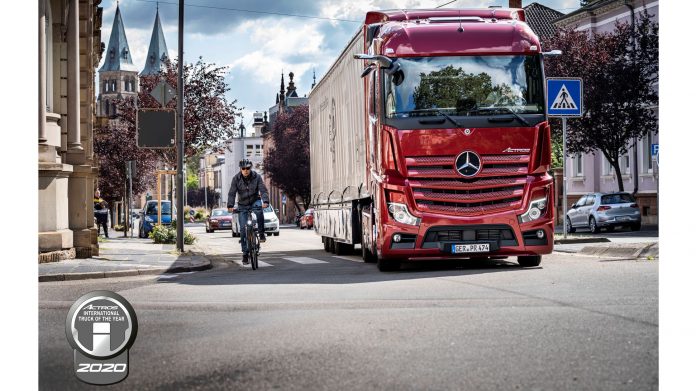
245 259
262 238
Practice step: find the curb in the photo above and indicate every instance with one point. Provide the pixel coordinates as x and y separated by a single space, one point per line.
635 251
581 240
123 273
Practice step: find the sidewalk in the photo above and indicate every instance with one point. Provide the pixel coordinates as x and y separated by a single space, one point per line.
121 257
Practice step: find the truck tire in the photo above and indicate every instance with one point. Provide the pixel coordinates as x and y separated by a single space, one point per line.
367 255
529 260
343 248
388 265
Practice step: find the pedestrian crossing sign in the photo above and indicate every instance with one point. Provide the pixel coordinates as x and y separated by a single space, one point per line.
564 97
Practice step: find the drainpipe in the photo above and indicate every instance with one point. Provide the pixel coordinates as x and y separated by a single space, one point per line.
629 4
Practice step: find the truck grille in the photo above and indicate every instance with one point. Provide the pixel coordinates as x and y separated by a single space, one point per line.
502 234
438 187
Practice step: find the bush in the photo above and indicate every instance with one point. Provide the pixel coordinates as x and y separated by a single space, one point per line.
162 234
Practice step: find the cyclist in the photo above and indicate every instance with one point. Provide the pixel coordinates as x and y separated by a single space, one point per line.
248 185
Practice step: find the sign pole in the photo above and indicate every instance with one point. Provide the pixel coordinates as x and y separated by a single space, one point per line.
180 137
130 199
565 183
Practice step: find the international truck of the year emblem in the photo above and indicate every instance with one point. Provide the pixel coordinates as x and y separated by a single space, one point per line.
101 326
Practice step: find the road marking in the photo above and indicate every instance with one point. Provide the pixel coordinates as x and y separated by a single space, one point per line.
304 260
261 264
354 259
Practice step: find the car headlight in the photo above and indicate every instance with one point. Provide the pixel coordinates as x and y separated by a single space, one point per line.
536 210
213 221
400 213
149 219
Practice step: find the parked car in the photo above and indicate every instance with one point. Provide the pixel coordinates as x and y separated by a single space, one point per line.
604 210
219 219
149 216
270 222
307 220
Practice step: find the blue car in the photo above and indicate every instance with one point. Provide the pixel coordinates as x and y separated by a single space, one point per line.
149 216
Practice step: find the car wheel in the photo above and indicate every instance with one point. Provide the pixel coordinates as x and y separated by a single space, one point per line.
276 234
212 231
593 226
569 225
141 233
529 260
635 227
207 230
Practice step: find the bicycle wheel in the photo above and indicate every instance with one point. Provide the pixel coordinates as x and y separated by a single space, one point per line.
254 253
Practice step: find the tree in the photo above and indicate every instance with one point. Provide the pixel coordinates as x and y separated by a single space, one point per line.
113 146
208 119
619 70
287 162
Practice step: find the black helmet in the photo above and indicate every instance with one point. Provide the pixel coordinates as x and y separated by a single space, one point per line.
245 163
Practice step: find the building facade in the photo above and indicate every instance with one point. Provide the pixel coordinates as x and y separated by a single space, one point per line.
286 101
69 52
592 172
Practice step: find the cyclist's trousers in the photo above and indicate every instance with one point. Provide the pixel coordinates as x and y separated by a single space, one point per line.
244 211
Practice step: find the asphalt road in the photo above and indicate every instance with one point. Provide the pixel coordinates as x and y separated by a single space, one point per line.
311 320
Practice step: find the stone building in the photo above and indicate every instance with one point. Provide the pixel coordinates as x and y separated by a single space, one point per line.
69 51
285 101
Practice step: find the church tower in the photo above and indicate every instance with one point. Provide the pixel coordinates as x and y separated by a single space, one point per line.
118 76
157 53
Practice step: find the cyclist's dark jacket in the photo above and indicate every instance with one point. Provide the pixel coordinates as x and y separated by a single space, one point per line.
248 190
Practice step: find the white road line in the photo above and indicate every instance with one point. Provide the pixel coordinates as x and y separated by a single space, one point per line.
261 264
355 259
304 260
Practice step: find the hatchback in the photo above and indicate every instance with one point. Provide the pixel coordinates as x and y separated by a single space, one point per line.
604 210
149 216
219 219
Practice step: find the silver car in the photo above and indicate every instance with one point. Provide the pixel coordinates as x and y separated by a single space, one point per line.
270 222
604 210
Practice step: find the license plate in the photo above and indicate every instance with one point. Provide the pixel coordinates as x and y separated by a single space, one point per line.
470 248
624 218
225 224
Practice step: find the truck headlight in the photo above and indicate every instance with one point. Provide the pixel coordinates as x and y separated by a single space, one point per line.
400 213
536 209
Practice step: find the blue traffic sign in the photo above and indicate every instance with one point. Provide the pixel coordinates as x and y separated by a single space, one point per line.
564 97
654 149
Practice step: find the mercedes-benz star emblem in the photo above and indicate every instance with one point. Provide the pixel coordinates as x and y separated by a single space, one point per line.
468 164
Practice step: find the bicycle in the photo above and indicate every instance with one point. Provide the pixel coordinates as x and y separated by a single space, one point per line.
252 238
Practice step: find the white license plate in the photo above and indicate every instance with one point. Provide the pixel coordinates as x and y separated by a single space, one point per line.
623 218
225 224
470 248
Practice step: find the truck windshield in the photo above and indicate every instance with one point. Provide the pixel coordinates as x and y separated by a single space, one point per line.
465 86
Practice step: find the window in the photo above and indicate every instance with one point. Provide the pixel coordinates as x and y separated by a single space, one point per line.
581 201
590 200
625 164
577 164
249 150
647 153
259 150
619 198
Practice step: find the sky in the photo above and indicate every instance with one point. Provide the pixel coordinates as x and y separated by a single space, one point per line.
258 39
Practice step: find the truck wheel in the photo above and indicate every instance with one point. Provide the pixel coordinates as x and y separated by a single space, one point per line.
388 265
342 248
367 255
529 260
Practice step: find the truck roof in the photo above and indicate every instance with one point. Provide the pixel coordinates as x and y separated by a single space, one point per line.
426 37
402 14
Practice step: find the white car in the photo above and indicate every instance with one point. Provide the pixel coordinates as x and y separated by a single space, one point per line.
270 221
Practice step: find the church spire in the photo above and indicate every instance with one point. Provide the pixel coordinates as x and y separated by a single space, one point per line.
118 56
314 77
157 52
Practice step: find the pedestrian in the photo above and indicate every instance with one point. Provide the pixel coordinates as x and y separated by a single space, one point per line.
101 213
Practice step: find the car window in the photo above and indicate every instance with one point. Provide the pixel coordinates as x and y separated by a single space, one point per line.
152 208
269 209
617 199
590 200
581 202
220 212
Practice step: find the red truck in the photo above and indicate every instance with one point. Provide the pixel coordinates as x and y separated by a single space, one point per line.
429 140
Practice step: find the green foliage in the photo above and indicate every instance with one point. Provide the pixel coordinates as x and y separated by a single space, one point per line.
163 234
444 87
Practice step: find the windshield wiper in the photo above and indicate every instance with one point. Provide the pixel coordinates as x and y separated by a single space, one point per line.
509 110
435 110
